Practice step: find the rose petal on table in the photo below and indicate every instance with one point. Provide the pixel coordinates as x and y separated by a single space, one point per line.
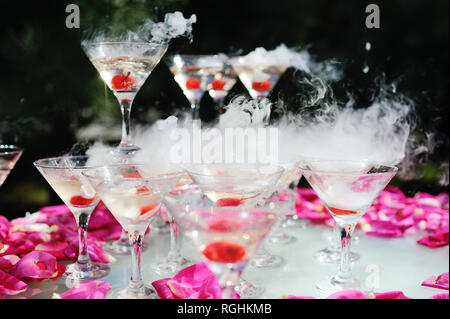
440 296
89 289
440 282
8 261
54 248
95 251
193 282
17 247
388 295
5 225
10 285
434 241
38 265
348 294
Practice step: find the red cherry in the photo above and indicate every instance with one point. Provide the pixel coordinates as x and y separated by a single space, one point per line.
261 86
122 82
224 252
192 84
224 202
146 209
132 175
217 85
338 211
142 189
81 201
224 226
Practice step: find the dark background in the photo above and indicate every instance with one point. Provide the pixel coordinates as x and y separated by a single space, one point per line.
49 89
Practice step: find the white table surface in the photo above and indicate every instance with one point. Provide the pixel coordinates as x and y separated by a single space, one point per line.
403 265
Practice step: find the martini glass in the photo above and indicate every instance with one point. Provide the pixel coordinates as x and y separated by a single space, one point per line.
234 184
133 194
9 155
228 185
64 174
124 66
178 199
196 74
347 189
287 197
282 200
227 238
258 78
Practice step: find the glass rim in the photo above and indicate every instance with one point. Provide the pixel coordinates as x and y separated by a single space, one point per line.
194 55
10 149
217 212
391 168
161 176
279 170
149 43
39 162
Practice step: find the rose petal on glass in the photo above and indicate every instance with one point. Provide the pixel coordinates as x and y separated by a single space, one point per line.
10 285
434 241
89 289
440 282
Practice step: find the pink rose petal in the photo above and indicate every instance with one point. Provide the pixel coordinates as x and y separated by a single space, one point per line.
194 282
440 282
390 295
89 289
440 296
38 265
10 285
95 251
434 241
348 294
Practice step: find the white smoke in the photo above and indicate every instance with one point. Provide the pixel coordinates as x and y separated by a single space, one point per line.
174 25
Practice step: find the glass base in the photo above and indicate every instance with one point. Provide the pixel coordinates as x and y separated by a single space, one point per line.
120 247
295 223
171 265
334 284
126 149
267 261
281 239
74 273
147 292
332 256
247 290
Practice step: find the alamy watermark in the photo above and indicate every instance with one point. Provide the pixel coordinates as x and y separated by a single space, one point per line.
73 17
227 145
373 19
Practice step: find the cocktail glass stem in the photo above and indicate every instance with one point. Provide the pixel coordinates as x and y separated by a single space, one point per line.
136 284
126 100
344 275
83 260
195 108
174 251
228 280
